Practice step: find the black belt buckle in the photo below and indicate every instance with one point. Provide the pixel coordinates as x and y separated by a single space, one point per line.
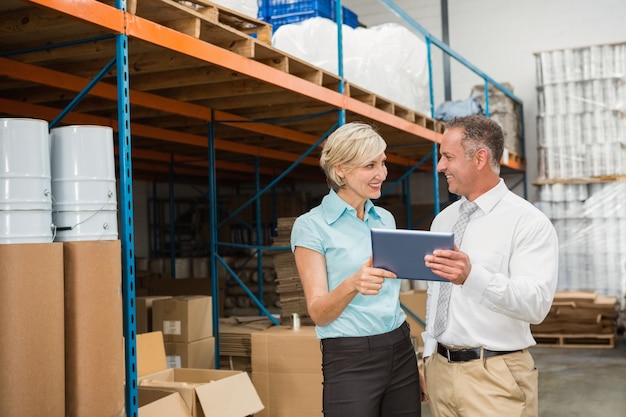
460 355
469 354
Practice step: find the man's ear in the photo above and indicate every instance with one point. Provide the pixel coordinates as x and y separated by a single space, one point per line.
482 158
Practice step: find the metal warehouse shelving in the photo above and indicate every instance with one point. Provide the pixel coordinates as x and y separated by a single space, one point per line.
201 89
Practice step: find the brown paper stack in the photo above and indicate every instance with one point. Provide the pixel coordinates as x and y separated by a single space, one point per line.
579 319
235 344
289 286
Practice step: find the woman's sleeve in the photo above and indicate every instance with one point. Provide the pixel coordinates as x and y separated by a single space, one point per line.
305 233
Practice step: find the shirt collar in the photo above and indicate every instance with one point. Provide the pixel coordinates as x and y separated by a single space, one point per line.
334 207
488 200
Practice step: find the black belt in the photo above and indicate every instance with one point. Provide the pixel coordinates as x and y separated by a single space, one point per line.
469 354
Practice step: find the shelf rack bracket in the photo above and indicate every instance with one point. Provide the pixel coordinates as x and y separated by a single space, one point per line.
84 92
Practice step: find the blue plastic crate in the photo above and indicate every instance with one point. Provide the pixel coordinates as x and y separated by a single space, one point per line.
284 7
282 12
278 21
269 8
349 17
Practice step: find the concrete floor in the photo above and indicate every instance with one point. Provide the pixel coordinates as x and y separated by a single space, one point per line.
579 382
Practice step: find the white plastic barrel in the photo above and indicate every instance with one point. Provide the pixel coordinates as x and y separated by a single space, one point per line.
24 165
84 197
25 226
83 168
73 226
25 181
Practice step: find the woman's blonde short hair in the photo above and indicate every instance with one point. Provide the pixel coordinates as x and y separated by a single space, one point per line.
351 145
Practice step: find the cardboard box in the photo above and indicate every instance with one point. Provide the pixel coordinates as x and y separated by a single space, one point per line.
290 394
287 371
239 363
143 311
415 301
197 354
157 403
183 318
32 352
94 334
206 392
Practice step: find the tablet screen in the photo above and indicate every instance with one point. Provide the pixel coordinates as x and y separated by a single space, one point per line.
402 251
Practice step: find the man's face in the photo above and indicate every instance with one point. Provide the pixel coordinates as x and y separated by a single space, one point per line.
460 172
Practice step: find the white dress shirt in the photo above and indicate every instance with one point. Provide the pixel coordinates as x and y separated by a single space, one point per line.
513 249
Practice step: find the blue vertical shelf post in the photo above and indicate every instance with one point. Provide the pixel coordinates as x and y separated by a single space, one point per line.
435 148
172 206
213 239
342 82
259 230
406 191
126 216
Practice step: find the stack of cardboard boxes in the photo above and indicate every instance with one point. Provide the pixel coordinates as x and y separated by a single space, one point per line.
187 326
287 371
94 343
61 345
143 311
32 358
205 392
176 361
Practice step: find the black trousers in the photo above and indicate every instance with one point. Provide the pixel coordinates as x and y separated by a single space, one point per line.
371 376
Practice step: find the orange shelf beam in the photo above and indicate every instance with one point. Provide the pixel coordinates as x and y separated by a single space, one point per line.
44 76
47 113
90 11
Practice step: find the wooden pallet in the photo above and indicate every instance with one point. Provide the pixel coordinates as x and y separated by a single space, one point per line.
202 19
220 14
587 341
516 157
581 180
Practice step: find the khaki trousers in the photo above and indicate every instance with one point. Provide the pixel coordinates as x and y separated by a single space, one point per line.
499 386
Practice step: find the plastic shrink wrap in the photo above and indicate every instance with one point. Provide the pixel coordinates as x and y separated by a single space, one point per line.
388 60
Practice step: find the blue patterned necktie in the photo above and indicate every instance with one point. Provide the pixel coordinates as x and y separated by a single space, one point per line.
445 288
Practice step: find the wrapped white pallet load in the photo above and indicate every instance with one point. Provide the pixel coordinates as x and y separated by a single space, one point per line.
247 7
387 59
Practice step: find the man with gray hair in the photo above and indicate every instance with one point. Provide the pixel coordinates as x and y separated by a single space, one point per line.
500 278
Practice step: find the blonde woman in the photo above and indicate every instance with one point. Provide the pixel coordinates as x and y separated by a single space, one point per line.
368 361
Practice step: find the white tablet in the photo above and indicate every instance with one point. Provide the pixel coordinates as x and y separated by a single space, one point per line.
402 251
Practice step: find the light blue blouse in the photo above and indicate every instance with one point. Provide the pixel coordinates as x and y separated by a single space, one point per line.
334 230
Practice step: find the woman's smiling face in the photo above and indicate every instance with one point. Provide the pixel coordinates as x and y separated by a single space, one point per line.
365 181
